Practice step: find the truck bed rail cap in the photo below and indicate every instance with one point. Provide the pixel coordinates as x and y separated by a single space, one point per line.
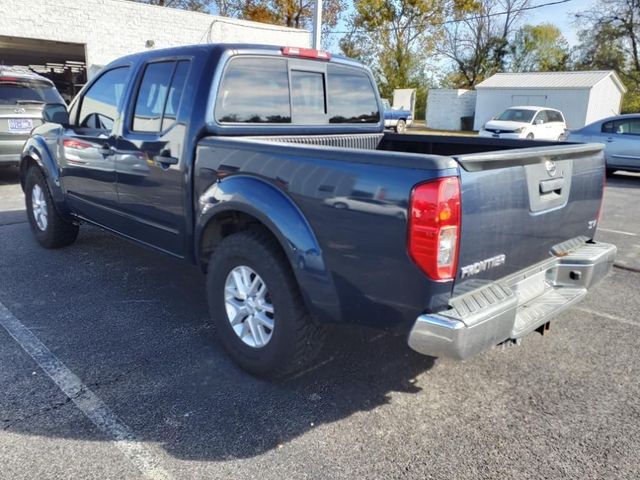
512 158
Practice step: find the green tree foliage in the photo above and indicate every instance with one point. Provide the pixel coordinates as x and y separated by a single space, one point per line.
611 41
395 37
540 48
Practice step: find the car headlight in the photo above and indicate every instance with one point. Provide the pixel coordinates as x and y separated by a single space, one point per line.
519 130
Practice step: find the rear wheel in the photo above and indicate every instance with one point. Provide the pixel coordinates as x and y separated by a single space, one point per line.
256 306
530 136
49 228
401 126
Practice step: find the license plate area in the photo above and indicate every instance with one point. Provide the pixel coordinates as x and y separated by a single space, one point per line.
20 125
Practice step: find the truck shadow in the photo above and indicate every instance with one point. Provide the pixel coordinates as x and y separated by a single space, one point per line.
141 340
622 179
9 175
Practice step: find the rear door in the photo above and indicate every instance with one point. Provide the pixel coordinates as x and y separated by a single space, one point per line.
149 163
517 205
623 142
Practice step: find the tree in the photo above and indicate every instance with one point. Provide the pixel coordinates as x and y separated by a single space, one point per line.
540 48
478 43
611 40
395 37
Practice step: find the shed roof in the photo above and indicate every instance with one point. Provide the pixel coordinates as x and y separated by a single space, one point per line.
586 79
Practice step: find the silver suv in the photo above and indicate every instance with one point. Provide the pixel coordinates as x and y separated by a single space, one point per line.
26 101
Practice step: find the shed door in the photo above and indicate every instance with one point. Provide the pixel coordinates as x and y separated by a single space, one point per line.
535 100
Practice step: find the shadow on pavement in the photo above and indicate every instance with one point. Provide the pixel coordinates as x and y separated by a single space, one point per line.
133 325
622 179
9 175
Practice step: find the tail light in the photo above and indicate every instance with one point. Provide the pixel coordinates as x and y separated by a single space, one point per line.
76 144
434 227
306 53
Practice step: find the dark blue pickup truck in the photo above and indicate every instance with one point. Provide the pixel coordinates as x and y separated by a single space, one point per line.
268 167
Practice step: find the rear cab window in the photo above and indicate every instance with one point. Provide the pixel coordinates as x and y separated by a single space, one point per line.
272 90
159 95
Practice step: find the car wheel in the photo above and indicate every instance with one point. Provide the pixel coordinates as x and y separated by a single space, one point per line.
49 228
530 136
401 126
562 137
340 205
256 306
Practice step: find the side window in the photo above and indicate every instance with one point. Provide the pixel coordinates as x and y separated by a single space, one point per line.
152 96
607 127
99 106
175 94
634 126
351 96
254 90
554 116
621 127
307 93
541 117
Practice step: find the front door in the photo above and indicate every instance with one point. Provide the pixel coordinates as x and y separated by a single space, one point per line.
149 162
88 148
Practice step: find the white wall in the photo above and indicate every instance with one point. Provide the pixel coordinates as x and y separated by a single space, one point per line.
113 28
572 102
604 101
446 106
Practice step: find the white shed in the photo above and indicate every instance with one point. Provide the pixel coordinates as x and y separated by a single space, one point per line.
583 97
447 106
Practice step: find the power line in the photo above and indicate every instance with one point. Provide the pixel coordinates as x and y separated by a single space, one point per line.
472 17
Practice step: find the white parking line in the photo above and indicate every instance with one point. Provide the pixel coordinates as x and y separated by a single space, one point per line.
143 458
607 316
617 231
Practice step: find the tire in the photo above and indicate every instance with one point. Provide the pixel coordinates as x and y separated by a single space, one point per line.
49 228
401 126
562 138
340 206
294 339
530 136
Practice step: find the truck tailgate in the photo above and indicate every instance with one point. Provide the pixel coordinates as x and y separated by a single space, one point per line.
519 205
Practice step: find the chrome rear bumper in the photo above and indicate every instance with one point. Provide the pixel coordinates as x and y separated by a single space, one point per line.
513 306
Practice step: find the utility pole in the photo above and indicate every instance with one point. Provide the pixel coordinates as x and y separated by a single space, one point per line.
317 25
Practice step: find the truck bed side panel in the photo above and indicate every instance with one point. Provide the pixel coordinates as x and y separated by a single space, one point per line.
356 204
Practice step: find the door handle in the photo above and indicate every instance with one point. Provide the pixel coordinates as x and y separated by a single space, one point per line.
609 140
106 150
552 185
164 159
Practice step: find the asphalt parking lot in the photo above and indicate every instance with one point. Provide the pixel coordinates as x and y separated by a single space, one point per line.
129 327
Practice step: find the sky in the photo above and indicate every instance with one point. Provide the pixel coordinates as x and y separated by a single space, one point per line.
560 15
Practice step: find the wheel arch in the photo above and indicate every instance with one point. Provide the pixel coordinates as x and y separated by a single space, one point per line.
245 202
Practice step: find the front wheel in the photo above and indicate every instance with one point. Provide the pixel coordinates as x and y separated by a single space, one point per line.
530 136
256 306
401 126
49 228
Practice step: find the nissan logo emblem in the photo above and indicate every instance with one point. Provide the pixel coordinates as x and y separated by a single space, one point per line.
551 167
19 110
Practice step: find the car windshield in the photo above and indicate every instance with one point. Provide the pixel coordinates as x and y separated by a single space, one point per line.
12 93
517 115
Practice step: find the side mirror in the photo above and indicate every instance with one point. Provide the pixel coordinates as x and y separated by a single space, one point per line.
55 113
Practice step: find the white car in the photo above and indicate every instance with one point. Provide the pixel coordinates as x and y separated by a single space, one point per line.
539 123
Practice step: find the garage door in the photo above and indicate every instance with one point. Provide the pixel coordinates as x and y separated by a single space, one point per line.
535 100
61 62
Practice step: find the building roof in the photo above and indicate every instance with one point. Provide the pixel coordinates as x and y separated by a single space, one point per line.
553 80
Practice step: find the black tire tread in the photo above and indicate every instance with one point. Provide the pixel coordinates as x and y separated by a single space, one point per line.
60 232
308 335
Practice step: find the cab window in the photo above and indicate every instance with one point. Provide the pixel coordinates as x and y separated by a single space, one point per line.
351 96
254 90
541 118
99 107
